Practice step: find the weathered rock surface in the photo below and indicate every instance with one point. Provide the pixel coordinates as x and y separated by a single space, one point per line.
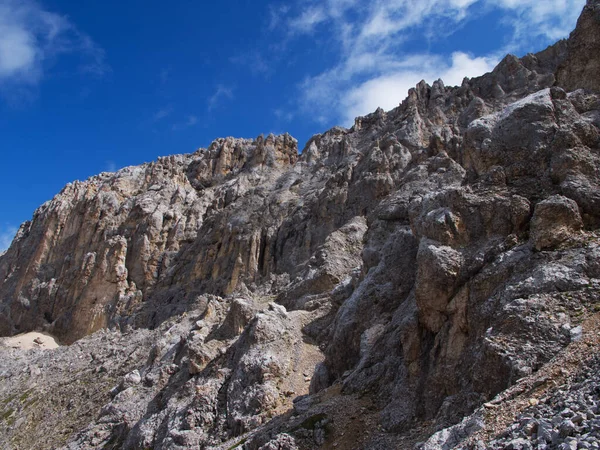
554 221
378 287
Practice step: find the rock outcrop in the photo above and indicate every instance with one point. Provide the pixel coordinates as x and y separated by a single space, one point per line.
380 286
555 220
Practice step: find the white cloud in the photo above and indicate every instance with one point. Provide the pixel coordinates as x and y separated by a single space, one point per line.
17 52
7 234
31 38
309 18
371 68
338 93
552 19
464 65
221 93
190 121
387 91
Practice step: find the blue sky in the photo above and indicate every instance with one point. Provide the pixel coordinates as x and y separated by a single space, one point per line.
94 86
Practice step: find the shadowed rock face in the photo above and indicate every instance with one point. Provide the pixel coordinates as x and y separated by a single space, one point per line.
420 260
580 70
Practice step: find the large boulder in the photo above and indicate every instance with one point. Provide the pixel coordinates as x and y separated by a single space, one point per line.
555 220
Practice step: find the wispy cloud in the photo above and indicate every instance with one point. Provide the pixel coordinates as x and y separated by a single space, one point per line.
32 38
283 115
7 234
162 113
308 19
254 60
551 19
388 90
277 15
371 66
221 93
189 122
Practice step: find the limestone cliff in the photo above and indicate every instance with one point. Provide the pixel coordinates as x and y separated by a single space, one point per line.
382 284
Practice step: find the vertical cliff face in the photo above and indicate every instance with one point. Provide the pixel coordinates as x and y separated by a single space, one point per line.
101 247
404 271
580 70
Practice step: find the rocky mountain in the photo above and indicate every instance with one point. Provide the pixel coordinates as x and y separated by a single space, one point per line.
429 277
